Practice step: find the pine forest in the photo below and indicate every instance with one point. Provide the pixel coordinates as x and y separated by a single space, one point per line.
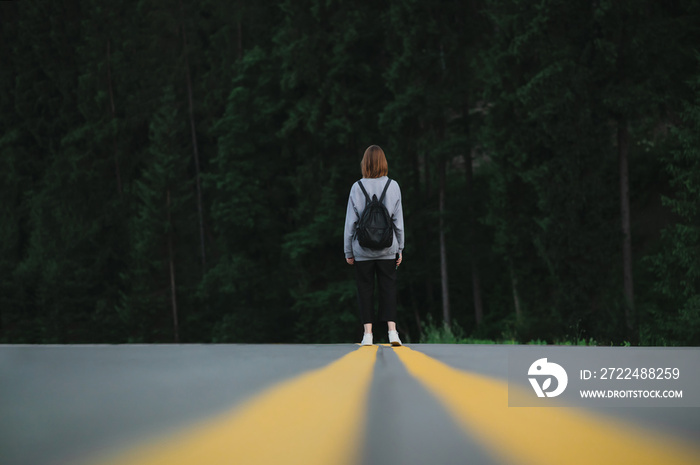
179 171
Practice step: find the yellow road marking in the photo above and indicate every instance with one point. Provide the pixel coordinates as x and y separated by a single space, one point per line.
316 418
539 436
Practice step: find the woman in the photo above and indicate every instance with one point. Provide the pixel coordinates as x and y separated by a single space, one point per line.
380 262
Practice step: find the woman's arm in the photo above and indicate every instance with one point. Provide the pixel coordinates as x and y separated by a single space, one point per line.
351 218
397 216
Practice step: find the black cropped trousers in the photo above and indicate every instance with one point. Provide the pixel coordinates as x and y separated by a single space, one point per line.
385 273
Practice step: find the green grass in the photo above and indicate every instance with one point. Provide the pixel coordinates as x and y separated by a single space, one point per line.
439 334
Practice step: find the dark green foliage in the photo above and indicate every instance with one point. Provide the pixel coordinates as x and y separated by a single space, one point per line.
553 193
162 194
676 319
99 222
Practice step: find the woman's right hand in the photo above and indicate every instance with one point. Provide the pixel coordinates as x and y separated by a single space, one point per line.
351 261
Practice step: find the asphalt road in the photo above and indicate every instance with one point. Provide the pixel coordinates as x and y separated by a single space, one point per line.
326 404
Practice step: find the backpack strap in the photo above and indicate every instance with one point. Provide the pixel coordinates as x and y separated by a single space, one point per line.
381 199
364 191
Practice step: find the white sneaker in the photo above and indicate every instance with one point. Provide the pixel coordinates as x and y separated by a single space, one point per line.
394 338
366 340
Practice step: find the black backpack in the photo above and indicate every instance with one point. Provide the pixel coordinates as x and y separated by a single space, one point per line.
375 229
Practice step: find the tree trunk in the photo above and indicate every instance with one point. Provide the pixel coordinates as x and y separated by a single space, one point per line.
424 181
429 292
111 101
628 283
417 174
239 33
476 289
471 224
171 262
426 178
419 325
195 148
414 307
443 248
516 296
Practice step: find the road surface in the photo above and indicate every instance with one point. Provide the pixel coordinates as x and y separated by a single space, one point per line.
308 404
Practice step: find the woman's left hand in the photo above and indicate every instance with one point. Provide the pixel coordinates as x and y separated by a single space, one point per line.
398 260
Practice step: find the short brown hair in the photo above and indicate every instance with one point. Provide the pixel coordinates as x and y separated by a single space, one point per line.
374 163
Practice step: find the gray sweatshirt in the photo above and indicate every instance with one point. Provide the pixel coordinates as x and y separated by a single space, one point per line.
356 204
